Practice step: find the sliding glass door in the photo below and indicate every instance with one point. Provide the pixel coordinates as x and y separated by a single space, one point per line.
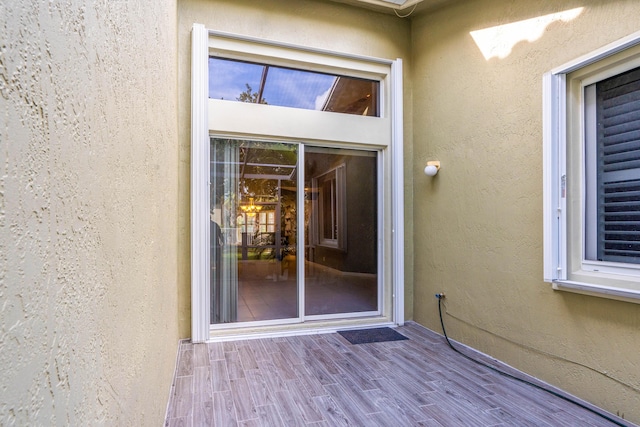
341 233
253 195
255 232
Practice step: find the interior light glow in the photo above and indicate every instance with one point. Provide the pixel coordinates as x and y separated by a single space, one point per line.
251 208
498 41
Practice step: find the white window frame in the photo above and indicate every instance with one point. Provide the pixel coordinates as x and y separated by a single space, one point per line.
384 132
564 187
336 174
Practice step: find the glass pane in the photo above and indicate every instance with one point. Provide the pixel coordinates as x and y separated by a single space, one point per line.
286 87
234 81
295 88
617 172
341 267
253 231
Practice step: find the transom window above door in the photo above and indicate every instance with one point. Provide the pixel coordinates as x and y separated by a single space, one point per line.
257 83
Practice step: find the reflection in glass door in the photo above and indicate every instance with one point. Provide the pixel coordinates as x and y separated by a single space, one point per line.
341 232
253 230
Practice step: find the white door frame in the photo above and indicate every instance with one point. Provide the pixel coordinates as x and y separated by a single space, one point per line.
200 134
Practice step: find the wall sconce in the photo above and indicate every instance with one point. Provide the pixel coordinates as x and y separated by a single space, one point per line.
432 168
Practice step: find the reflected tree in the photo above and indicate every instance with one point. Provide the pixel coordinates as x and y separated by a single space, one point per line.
250 96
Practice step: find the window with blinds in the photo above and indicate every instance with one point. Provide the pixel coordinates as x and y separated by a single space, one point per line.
613 186
591 152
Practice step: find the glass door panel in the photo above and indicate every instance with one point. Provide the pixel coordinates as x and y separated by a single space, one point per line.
253 230
341 231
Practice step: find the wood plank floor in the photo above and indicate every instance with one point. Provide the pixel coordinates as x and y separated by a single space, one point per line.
323 380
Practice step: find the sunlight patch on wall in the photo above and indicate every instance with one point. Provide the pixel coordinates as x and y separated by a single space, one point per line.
498 41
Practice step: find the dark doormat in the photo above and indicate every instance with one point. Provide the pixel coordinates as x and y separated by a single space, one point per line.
364 336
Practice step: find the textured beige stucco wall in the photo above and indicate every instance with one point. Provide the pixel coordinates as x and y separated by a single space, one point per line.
318 24
478 223
88 211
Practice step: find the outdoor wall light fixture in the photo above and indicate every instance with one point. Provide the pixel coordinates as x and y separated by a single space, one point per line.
432 168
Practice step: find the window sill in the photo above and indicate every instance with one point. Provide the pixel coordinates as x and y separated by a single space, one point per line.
610 292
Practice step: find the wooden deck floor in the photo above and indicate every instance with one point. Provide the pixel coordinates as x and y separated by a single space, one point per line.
323 380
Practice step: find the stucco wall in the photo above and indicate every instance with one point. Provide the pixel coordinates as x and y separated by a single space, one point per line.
88 185
319 24
478 227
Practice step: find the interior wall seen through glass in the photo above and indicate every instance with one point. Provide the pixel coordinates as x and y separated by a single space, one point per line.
341 229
